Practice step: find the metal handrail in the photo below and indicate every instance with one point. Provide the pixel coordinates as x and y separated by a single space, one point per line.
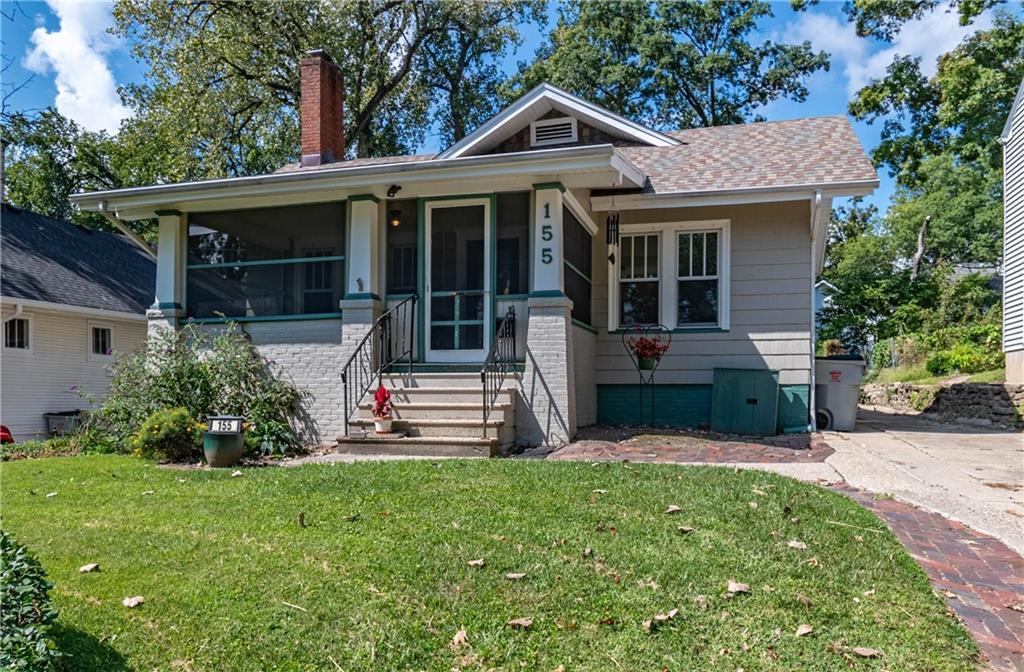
382 346
500 361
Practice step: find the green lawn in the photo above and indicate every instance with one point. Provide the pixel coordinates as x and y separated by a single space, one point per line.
378 579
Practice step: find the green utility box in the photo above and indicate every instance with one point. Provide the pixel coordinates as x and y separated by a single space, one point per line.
745 401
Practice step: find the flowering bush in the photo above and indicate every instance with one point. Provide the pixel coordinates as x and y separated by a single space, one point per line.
648 347
169 434
382 403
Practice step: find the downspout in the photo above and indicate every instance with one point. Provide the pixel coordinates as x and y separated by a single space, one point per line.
812 400
120 226
19 308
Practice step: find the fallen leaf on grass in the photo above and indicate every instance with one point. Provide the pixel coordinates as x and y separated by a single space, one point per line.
804 600
587 552
51 494
91 567
672 508
520 623
479 562
515 576
803 629
599 491
149 492
351 518
735 587
235 474
758 491
753 505
683 529
459 640
869 593
865 652
655 621
798 545
132 602
701 601
813 562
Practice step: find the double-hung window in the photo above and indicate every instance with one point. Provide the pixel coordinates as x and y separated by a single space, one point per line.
697 278
639 286
17 334
101 341
672 273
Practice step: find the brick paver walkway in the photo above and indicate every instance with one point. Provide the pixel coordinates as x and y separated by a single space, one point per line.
980 578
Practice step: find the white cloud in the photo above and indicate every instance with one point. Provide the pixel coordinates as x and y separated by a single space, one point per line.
863 59
77 53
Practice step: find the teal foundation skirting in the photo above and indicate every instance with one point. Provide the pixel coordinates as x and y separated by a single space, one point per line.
686 405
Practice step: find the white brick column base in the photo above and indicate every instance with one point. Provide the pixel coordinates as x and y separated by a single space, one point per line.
163 319
548 390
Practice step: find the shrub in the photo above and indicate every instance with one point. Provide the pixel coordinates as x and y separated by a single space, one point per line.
169 434
27 613
207 373
963 358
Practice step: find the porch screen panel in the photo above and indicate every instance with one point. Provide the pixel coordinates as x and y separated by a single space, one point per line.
513 251
402 247
578 262
266 262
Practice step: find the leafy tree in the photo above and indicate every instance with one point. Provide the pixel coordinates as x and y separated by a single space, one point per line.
671 64
883 19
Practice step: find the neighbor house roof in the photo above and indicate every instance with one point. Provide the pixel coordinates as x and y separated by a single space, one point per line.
54 261
815 151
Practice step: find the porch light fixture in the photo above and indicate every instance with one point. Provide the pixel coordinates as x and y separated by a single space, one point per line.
393 190
395 218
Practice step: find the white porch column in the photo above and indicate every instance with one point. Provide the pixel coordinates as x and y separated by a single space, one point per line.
548 380
362 303
172 250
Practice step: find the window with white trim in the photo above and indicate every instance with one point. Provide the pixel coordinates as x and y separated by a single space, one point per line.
17 334
101 341
639 285
697 278
671 273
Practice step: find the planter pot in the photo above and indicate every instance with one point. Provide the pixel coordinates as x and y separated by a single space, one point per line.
646 363
223 450
382 425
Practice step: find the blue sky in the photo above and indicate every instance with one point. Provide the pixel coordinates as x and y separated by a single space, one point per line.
67 57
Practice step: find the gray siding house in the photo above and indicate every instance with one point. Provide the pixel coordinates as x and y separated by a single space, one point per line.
1013 240
494 286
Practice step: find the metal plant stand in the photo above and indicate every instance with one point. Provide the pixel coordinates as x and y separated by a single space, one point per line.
636 331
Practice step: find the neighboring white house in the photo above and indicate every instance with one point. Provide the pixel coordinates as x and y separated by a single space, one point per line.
1013 240
556 222
71 298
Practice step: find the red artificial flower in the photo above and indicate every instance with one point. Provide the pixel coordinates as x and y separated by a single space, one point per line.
648 348
382 403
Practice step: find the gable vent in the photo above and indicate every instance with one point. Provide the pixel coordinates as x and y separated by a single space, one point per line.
553 131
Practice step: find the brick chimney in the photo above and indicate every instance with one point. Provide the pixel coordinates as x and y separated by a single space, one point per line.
321 106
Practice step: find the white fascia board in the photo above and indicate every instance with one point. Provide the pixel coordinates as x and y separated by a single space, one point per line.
34 304
821 234
141 202
731 196
565 101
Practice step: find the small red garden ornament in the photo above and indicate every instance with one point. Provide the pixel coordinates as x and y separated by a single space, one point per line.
382 411
648 350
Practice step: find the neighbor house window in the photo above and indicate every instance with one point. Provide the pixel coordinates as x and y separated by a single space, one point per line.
266 262
697 291
639 288
16 334
578 246
101 341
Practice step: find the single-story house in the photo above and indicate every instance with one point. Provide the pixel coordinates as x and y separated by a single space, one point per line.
1013 240
71 298
496 284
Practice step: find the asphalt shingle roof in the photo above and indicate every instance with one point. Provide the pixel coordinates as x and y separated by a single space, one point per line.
44 259
819 150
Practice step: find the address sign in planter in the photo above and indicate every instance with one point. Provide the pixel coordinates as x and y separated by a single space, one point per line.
225 424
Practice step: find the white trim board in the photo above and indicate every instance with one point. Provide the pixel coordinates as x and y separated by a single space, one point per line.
7 301
694 199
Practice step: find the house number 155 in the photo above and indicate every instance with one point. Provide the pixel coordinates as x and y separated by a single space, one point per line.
546 234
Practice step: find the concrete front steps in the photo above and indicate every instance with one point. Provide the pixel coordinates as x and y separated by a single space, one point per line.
435 414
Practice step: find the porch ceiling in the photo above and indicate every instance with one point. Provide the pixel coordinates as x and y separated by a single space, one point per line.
595 166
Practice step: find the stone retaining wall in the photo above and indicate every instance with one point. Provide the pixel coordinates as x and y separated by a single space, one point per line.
971 403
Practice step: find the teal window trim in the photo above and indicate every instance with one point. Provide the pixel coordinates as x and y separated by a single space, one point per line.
584 325
264 318
539 186
511 297
265 262
455 323
578 272
396 297
421 287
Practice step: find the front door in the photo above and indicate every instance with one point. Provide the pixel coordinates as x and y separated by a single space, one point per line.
457 309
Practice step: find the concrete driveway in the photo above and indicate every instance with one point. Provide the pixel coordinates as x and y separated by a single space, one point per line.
975 476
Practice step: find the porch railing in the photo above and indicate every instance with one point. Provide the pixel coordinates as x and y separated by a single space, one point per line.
389 341
500 362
